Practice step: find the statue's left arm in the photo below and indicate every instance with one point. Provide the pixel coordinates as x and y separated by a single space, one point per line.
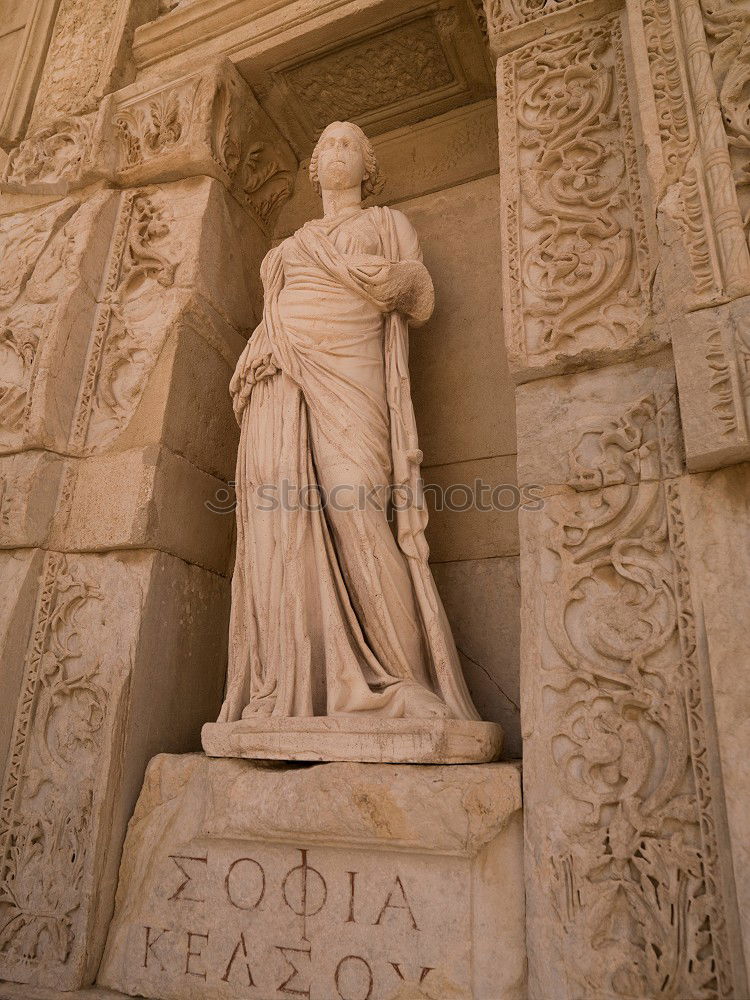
414 293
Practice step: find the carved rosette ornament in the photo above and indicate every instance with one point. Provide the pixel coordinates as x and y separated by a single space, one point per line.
631 830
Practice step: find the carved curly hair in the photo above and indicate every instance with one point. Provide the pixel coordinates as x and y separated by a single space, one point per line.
373 179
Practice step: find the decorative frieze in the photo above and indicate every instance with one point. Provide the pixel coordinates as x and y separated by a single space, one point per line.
45 308
575 240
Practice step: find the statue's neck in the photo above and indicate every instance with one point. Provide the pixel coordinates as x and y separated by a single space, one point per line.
337 202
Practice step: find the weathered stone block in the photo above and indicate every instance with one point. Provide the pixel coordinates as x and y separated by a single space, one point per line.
712 358
51 275
340 880
145 498
560 419
125 657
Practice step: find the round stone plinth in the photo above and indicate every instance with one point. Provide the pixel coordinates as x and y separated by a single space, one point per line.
367 739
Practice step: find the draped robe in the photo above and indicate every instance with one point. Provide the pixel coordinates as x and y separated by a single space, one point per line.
332 612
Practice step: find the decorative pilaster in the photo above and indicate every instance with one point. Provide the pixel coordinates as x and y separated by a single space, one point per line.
622 234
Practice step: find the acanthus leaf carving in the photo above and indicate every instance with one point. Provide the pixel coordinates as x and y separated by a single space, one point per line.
156 125
633 855
46 808
574 226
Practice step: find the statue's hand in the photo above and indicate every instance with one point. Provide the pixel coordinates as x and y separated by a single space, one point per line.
395 284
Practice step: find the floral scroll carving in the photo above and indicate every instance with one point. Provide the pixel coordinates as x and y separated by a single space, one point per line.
575 235
55 154
633 854
124 347
46 810
33 267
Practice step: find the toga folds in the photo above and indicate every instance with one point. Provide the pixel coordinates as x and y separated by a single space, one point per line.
333 612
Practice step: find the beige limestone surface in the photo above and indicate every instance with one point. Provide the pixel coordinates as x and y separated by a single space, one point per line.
340 880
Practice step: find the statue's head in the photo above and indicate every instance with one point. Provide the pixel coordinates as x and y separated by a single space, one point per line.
343 157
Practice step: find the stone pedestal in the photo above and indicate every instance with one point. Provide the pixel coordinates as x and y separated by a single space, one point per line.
369 739
350 881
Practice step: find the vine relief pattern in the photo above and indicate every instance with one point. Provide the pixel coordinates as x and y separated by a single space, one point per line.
49 787
503 15
576 246
126 342
36 263
632 847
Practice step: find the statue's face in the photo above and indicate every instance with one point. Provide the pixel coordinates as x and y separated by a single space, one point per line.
341 162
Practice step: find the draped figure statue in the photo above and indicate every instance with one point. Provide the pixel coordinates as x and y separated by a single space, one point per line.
334 609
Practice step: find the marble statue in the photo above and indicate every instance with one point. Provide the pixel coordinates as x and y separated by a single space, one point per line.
335 614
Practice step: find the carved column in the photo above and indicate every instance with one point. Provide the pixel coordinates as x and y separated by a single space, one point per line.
130 239
622 235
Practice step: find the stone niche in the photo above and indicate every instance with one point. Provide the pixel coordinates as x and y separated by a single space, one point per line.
350 881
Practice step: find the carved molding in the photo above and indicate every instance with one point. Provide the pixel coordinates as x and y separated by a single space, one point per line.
712 359
575 241
631 833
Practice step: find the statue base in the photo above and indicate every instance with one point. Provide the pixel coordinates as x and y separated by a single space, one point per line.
364 739
252 881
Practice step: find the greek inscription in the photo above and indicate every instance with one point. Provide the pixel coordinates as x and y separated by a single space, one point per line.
349 974
308 894
240 946
288 986
180 860
425 970
245 895
389 905
190 954
352 876
150 946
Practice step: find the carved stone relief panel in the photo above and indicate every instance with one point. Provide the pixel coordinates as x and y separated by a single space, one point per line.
398 71
47 293
88 56
627 835
695 62
108 644
155 272
75 677
22 49
207 123
578 266
55 157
